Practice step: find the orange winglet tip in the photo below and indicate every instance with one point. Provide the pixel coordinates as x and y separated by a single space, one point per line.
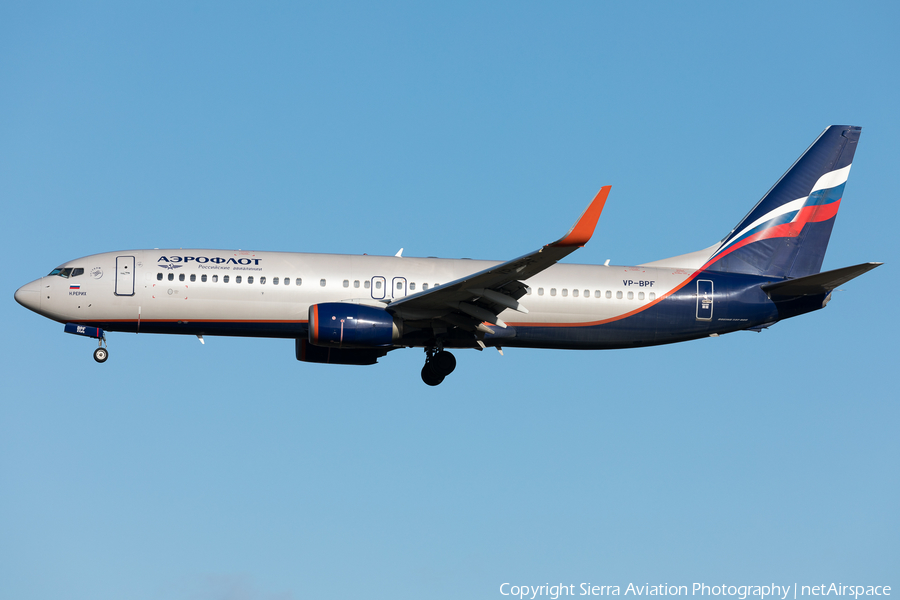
583 229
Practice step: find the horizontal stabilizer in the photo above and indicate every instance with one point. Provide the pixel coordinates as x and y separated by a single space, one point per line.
820 283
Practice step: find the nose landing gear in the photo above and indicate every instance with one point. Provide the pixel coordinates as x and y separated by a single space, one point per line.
438 364
101 353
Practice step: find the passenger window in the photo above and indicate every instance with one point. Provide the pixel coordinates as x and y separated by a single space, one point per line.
193 277
224 278
378 285
528 291
574 293
412 287
249 279
159 276
215 279
171 276
596 293
274 281
181 277
203 278
552 291
640 295
652 296
346 283
366 284
262 280
424 286
298 281
618 295
321 283
587 293
565 292
237 278
540 291
356 283
399 285
608 294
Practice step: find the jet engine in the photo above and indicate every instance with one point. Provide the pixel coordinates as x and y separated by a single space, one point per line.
345 325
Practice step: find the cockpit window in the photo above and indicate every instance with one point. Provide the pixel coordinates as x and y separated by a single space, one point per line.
61 272
77 271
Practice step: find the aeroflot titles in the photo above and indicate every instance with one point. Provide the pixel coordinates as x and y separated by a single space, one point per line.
204 259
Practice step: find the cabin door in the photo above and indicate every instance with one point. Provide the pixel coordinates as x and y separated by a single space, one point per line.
704 300
124 276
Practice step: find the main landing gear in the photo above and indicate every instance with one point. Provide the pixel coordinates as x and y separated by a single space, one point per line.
438 364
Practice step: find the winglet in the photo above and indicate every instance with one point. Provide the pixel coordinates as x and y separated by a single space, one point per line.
583 229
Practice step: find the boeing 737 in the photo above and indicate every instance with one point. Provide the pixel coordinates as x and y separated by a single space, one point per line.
353 310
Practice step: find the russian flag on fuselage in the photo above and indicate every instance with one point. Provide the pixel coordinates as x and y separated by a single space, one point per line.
787 232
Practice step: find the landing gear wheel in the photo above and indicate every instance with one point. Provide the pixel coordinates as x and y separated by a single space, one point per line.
101 354
443 363
429 376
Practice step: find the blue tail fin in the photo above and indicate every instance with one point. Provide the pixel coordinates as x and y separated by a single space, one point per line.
787 232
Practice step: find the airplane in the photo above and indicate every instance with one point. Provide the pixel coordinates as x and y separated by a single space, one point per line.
353 310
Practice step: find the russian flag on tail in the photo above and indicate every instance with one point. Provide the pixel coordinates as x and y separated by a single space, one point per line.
787 232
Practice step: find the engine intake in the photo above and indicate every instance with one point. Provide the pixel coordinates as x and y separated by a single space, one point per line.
345 325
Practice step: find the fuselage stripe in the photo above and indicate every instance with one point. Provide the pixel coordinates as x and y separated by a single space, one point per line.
630 313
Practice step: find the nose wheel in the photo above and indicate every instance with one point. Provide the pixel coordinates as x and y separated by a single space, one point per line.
101 354
437 366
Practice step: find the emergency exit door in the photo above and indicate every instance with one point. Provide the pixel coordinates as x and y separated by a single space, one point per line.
124 276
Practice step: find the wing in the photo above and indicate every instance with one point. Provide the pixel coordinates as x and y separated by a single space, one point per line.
475 299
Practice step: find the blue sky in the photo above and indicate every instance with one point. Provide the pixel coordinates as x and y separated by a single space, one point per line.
231 471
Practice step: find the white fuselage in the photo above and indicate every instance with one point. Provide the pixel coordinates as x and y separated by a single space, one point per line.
214 286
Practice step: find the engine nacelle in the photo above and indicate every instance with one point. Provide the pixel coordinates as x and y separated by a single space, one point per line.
306 352
345 325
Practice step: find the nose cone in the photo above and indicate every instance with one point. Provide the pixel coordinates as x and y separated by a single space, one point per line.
29 295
